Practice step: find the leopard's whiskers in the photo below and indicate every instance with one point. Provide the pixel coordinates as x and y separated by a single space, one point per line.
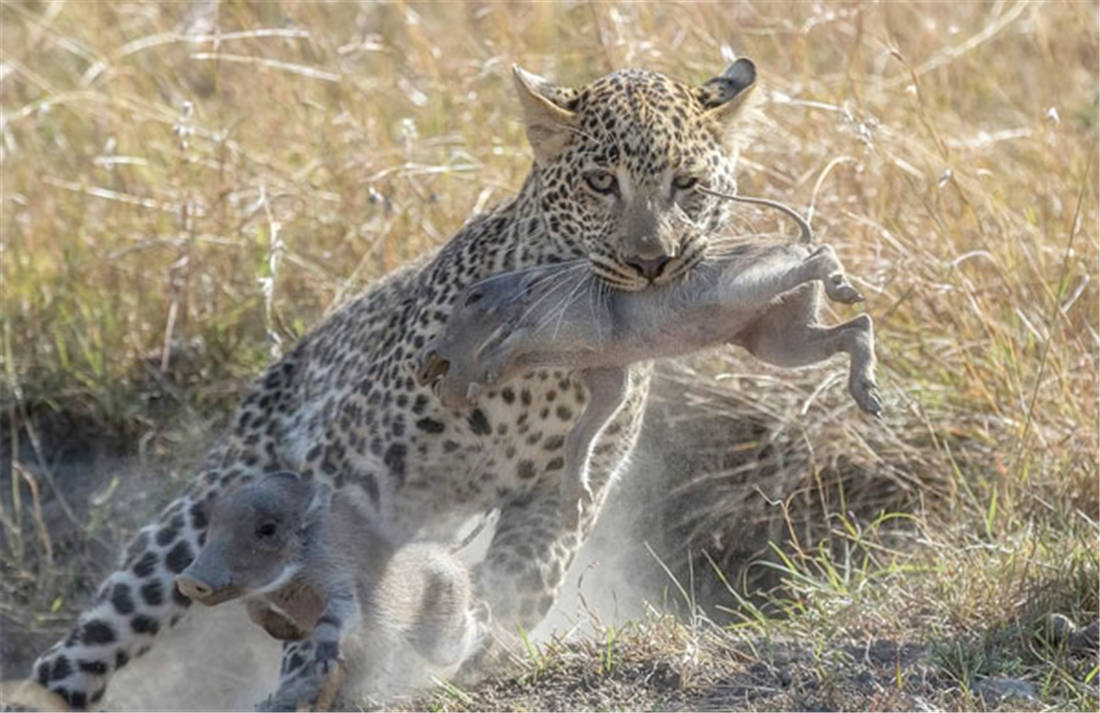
565 265
562 303
594 291
583 283
548 283
560 283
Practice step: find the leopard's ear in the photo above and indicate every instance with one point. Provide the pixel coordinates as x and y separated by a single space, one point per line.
725 97
546 115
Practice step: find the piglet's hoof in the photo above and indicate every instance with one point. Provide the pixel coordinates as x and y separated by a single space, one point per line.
432 366
575 496
840 290
865 392
330 686
312 692
29 696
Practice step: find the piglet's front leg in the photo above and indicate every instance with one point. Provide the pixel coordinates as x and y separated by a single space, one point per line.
320 670
340 616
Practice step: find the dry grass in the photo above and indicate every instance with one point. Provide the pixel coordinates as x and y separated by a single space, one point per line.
187 187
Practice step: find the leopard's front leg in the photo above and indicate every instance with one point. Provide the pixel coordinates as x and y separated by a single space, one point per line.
133 605
535 543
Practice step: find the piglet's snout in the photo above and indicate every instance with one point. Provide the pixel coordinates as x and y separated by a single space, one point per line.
201 585
193 588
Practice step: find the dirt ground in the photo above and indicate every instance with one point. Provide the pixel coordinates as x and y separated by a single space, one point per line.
610 643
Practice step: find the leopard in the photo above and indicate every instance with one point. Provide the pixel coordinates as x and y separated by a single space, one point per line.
620 177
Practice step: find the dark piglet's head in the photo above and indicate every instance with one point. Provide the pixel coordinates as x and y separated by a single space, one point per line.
254 541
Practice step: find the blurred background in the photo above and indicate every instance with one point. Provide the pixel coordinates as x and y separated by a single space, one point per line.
188 187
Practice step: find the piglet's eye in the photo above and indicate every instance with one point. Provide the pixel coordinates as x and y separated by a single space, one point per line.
267 529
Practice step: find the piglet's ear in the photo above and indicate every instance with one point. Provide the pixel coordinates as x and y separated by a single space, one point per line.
319 503
287 482
290 487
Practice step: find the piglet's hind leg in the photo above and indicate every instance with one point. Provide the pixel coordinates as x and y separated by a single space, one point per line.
793 343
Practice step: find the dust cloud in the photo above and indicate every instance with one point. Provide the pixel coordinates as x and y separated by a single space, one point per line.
216 659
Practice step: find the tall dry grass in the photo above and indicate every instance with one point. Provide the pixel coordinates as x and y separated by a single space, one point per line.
188 187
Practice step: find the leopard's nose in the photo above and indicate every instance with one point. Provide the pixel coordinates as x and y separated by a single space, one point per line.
649 267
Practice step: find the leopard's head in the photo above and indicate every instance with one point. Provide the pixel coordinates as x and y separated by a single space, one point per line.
620 163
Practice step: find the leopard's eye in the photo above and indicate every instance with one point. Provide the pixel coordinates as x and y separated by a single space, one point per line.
267 529
602 181
683 183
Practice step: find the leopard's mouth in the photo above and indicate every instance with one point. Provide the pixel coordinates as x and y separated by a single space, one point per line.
681 265
629 278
